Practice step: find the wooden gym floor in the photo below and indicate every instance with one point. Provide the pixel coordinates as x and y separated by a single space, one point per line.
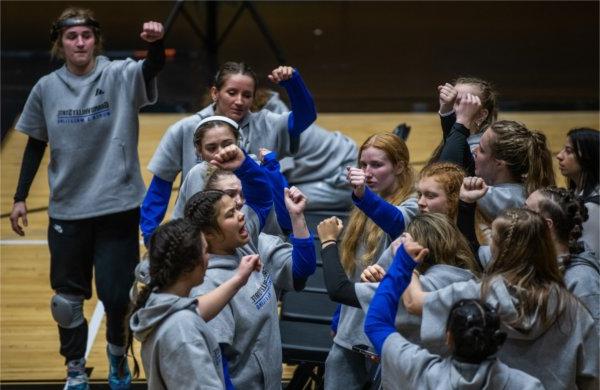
28 335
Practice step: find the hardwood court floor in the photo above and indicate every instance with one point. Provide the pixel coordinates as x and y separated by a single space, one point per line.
28 335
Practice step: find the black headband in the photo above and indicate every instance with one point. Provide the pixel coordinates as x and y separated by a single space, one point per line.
72 22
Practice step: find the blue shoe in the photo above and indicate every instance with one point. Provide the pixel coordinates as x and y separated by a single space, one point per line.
119 376
77 379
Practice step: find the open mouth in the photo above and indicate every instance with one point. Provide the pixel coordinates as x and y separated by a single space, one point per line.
244 232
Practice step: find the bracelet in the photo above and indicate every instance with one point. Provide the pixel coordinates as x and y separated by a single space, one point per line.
328 241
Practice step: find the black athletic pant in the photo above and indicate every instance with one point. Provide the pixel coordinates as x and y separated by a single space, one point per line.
107 245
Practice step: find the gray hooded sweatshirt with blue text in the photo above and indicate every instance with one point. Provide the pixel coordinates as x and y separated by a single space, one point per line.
178 348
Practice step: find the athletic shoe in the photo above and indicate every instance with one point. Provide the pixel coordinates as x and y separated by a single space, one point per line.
119 376
76 376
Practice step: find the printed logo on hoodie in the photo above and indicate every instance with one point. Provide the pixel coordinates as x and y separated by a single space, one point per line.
264 292
80 115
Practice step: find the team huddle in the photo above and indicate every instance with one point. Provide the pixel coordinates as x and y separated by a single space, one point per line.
476 273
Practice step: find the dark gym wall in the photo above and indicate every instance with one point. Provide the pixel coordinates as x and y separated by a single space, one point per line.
357 56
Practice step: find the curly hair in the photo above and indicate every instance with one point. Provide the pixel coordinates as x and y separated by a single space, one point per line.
567 212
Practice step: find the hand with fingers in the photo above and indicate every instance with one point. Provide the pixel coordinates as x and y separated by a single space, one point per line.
415 250
357 179
295 200
19 211
152 31
467 108
229 158
373 273
330 229
262 152
448 96
248 264
281 73
473 188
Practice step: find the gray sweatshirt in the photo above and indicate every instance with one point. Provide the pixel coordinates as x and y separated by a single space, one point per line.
178 348
435 278
91 125
248 326
582 278
562 355
350 327
176 151
405 365
500 197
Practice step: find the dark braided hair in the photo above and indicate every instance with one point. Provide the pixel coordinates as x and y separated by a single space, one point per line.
475 330
201 211
175 249
567 212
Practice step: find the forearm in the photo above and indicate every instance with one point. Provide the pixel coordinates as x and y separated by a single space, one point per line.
447 121
387 216
339 288
155 61
278 184
379 322
304 258
210 304
256 189
303 109
32 158
154 207
456 146
466 224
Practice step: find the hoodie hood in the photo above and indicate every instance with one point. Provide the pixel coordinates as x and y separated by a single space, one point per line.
75 82
158 307
585 259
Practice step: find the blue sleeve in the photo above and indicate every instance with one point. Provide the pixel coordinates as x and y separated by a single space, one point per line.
304 257
225 362
256 189
379 322
154 207
387 216
278 183
303 110
335 319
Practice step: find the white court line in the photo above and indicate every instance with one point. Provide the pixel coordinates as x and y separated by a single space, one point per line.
23 242
94 326
32 242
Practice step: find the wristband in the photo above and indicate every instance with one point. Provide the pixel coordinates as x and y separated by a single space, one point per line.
327 242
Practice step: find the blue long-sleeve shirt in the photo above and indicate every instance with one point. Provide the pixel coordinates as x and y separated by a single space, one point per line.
304 111
385 215
379 322
304 257
154 206
278 183
256 188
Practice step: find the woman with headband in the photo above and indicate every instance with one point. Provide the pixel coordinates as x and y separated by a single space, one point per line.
233 94
87 111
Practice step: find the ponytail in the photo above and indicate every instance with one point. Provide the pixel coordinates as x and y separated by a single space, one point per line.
540 172
525 153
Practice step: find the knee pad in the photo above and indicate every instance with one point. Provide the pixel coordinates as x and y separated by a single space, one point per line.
67 310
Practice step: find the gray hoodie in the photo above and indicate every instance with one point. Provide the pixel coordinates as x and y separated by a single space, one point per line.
582 278
435 278
91 125
562 355
178 348
248 327
408 366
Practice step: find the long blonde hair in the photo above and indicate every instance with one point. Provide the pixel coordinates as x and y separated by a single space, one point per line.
360 229
446 244
525 258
